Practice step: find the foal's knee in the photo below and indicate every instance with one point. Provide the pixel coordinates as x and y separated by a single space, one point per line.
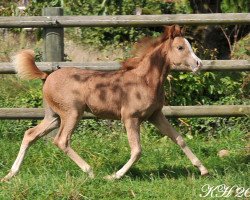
180 142
28 136
136 154
61 145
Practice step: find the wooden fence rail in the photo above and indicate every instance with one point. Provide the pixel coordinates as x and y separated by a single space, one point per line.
208 65
124 20
168 111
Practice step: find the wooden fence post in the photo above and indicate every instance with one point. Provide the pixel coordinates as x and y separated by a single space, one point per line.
53 38
53 44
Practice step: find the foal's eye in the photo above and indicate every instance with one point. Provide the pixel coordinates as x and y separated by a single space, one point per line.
180 48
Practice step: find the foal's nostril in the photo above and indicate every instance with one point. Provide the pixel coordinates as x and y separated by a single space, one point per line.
199 63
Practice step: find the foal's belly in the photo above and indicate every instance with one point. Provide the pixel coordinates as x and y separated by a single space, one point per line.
104 104
105 114
118 105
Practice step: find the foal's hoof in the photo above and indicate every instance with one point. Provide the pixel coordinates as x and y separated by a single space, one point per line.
7 177
2 180
204 173
111 177
91 175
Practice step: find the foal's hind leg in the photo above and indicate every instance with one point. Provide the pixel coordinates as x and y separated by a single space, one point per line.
163 125
62 140
30 136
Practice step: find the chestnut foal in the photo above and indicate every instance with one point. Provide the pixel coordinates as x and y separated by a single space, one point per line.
133 94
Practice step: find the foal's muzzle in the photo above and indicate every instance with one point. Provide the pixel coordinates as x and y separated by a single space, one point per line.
197 67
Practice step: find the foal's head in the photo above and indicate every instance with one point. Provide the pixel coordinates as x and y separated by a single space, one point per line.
179 49
176 48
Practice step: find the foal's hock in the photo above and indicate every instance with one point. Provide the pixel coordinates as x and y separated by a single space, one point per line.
134 93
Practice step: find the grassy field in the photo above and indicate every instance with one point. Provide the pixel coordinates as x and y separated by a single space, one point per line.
163 172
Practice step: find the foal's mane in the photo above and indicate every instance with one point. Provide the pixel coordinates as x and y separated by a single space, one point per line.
148 44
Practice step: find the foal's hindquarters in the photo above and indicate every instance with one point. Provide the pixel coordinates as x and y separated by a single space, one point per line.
66 120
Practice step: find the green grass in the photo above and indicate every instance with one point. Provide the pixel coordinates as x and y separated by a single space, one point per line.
163 172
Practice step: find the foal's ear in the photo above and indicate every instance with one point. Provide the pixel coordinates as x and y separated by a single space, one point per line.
172 31
168 30
183 30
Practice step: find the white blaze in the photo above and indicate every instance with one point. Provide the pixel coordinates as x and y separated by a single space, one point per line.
191 51
198 63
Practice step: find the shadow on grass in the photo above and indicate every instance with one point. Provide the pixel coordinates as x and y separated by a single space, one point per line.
170 172
219 168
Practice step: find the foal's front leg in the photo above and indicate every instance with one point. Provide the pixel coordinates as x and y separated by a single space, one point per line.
132 126
165 128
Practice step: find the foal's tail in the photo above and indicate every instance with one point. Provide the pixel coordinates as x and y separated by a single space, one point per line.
25 66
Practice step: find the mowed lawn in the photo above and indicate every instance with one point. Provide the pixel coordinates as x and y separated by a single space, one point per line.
163 172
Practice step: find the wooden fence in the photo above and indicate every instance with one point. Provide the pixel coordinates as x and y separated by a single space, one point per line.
208 65
122 20
53 23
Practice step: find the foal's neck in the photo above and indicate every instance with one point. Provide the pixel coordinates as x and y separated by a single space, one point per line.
155 66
